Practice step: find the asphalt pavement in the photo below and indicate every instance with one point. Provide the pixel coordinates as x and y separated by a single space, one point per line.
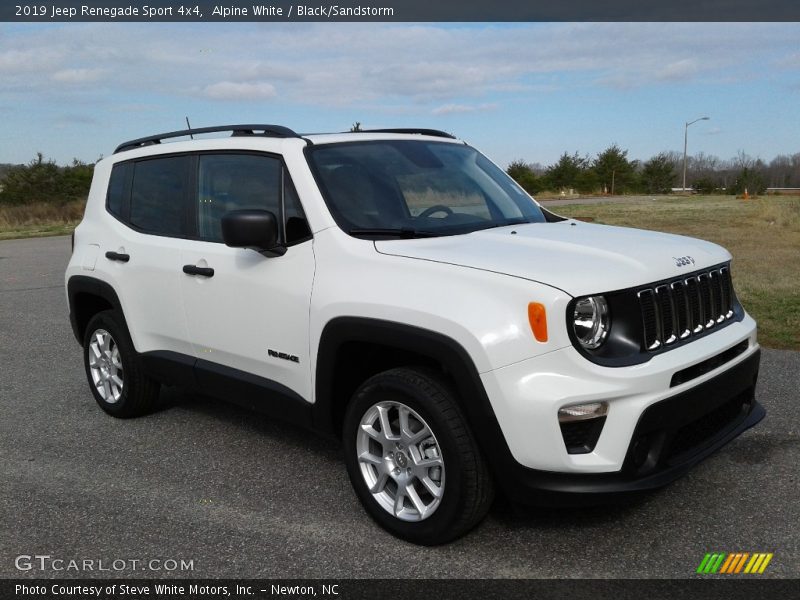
240 495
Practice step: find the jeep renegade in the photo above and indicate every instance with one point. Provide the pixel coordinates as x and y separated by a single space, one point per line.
398 290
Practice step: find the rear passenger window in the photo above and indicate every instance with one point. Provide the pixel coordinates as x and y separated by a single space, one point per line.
158 197
246 181
117 186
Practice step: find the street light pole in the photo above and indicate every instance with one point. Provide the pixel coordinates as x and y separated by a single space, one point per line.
685 145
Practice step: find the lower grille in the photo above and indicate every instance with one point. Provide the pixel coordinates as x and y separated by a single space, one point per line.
676 430
707 427
680 309
708 365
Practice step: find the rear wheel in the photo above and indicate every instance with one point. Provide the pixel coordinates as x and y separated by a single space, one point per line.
113 369
411 457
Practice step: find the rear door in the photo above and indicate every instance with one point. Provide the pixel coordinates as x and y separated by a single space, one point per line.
141 250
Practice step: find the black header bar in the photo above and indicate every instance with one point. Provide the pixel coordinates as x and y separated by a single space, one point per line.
400 10
732 588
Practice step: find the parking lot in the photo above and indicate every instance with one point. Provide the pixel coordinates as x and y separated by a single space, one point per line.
240 495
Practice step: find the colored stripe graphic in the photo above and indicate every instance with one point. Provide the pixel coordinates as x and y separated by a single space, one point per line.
733 563
732 559
741 562
765 563
711 563
704 563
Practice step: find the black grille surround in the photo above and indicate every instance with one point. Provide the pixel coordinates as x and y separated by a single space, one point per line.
657 317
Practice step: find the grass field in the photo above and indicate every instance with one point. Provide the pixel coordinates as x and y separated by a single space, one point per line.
39 220
762 234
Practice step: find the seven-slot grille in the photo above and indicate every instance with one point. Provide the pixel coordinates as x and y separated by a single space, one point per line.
680 309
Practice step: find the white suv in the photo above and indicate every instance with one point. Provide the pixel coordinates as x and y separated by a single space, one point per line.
398 290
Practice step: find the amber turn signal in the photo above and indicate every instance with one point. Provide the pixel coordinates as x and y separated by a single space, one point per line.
537 317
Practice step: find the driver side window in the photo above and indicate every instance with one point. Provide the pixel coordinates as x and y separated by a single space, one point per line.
229 182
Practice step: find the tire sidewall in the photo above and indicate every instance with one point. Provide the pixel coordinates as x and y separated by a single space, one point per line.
437 528
108 320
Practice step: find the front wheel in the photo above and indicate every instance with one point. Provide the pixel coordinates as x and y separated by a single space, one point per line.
411 457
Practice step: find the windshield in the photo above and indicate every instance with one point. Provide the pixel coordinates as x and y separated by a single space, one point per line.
410 188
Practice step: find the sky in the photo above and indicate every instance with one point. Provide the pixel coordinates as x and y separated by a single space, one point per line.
527 91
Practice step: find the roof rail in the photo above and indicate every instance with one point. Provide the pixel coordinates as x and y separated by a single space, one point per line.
236 130
431 132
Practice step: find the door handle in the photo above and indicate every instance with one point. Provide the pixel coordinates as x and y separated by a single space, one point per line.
118 257
202 271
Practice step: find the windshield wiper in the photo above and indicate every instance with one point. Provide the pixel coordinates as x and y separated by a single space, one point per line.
508 223
401 232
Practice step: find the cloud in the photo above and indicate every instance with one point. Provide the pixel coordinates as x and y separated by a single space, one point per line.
448 109
428 68
680 70
77 75
228 90
791 61
69 120
26 61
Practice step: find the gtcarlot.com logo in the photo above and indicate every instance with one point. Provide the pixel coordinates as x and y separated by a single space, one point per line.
45 562
734 563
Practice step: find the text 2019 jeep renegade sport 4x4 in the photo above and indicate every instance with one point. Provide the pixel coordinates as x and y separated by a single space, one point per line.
397 289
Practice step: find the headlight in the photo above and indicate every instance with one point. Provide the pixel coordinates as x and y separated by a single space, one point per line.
591 321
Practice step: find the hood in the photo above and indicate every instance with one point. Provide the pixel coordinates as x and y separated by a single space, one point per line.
576 257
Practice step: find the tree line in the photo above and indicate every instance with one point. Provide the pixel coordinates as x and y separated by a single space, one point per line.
43 181
612 172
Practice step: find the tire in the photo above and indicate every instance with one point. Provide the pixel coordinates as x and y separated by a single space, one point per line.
427 482
113 368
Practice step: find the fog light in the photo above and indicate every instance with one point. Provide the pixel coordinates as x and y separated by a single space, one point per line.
582 412
581 425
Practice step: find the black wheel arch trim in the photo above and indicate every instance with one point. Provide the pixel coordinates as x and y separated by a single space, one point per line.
471 396
83 284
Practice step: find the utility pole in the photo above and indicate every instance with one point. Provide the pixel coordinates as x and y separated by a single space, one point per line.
685 145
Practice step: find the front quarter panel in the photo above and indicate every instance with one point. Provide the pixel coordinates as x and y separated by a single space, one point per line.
485 313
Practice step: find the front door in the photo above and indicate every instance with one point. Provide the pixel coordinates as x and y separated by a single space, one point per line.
247 314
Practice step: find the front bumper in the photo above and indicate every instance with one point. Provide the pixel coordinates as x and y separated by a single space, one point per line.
671 436
664 416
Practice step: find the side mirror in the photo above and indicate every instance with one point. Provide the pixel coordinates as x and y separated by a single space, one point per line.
254 229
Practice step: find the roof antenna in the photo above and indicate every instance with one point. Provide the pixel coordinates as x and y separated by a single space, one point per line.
189 127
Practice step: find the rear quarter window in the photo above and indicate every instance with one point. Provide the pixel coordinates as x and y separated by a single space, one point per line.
117 189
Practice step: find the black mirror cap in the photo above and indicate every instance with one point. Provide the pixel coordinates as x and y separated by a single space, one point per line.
252 228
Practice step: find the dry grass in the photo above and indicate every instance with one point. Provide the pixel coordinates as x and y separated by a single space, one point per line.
762 234
41 219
